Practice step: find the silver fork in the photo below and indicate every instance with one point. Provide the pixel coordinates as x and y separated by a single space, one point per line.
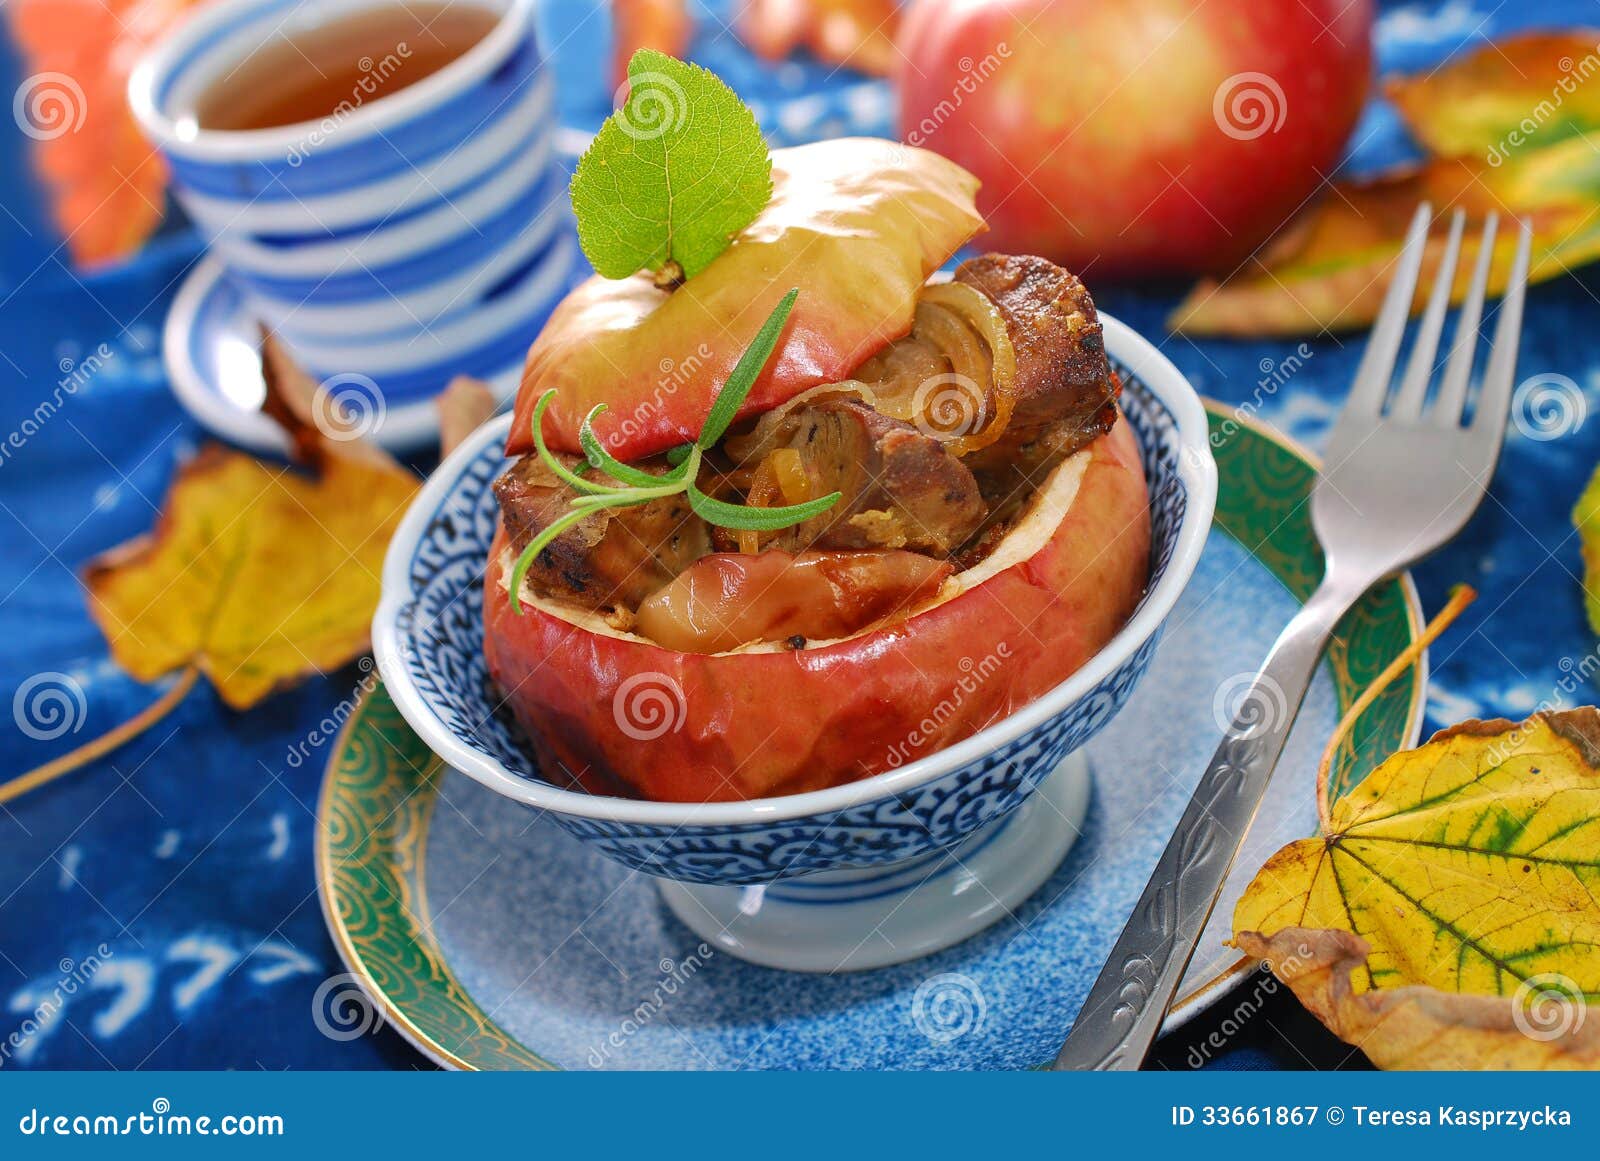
1399 481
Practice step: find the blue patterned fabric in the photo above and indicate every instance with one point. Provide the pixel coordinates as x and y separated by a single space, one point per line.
187 855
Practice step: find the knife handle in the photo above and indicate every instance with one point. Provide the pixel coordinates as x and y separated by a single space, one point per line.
1124 1010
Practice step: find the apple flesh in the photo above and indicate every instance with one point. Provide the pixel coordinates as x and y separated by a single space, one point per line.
1136 138
856 224
620 714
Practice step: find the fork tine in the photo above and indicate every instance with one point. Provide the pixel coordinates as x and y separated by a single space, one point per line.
1494 397
1452 398
1377 361
1419 367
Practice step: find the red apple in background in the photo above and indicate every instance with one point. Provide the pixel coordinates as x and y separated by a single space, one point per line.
1136 138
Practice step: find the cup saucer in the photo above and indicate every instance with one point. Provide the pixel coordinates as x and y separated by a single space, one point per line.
211 346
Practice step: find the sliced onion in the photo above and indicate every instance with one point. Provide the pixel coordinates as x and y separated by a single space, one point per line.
780 478
789 470
977 311
759 441
955 370
763 491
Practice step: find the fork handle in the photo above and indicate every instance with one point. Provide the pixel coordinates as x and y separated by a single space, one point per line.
1124 1010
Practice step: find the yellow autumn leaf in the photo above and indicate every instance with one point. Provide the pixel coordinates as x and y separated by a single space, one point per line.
1416 1027
1520 92
1330 269
1586 519
1470 865
255 573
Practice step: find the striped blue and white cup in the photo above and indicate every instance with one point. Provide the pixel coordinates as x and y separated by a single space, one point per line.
404 237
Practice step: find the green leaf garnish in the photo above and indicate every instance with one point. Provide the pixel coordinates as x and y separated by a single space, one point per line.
636 486
759 519
672 176
604 461
565 474
737 388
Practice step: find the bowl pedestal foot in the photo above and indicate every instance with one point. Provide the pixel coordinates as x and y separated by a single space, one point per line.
870 917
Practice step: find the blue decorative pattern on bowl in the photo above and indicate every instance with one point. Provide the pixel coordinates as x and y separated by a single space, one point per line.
429 639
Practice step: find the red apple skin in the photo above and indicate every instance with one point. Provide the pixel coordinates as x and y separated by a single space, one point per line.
753 725
1135 138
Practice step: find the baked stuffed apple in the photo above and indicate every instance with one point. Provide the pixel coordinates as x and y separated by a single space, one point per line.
813 511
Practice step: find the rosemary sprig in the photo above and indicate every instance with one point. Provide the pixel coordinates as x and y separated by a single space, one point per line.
634 486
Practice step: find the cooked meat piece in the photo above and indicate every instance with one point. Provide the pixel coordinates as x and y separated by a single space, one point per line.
611 560
729 599
1009 485
1029 462
901 488
1064 383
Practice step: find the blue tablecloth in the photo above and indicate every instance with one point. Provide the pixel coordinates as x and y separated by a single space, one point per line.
188 853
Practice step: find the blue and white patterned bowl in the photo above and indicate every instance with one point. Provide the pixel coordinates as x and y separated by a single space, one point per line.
865 841
408 236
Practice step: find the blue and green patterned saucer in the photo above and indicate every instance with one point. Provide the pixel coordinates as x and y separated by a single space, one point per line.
492 939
